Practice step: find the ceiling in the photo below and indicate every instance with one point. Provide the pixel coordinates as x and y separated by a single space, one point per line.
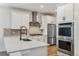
47 7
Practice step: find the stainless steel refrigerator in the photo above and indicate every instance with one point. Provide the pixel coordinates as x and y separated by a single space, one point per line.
51 33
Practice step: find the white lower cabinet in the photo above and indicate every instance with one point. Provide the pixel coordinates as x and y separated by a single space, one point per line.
40 51
15 54
35 52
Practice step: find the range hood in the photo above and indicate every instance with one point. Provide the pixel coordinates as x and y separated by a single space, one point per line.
34 20
34 17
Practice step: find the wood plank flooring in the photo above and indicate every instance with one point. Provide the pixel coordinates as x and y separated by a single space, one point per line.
52 50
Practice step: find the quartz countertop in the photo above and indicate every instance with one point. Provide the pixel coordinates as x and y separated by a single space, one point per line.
14 44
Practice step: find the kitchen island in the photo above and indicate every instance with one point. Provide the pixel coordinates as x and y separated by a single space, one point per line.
16 47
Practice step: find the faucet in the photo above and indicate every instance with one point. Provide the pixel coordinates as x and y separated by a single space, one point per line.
23 30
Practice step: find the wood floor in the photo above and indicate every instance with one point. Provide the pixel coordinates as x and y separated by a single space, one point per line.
52 50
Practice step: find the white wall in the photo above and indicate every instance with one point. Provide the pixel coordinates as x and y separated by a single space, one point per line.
4 23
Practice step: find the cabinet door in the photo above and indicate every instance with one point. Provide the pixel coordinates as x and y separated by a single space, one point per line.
4 17
16 19
41 51
25 20
65 13
39 18
44 22
68 12
60 14
49 19
76 12
19 18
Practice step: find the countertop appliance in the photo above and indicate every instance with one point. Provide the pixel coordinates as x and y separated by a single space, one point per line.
51 33
66 38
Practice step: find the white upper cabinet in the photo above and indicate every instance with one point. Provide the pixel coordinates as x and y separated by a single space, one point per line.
69 12
76 12
60 13
44 22
65 13
15 19
19 18
47 19
39 18
4 17
51 19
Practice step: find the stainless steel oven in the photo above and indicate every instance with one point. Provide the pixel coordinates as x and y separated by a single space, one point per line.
66 29
65 47
66 38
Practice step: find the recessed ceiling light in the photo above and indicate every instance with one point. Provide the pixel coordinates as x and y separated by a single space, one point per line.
42 6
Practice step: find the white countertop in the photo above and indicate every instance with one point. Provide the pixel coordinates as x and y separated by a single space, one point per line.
14 44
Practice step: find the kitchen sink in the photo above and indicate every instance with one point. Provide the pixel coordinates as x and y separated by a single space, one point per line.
26 39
